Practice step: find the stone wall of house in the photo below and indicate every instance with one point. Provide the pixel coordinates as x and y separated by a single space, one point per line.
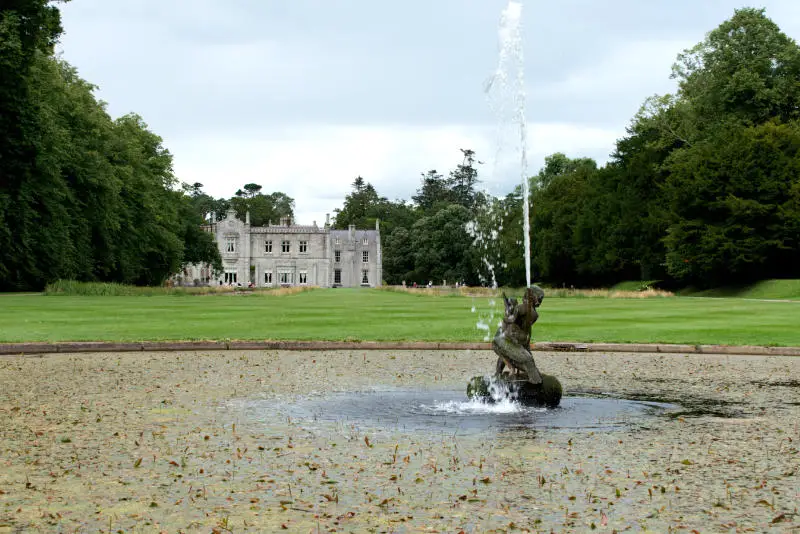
287 254
356 255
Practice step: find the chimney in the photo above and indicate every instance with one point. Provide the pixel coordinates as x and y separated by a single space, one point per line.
284 221
377 225
352 231
327 219
247 217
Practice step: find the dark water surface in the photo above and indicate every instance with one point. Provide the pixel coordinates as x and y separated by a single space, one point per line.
451 411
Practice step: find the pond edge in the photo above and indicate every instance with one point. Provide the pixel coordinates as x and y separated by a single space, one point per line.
15 349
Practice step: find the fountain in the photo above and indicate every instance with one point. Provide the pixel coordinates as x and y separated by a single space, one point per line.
512 342
516 397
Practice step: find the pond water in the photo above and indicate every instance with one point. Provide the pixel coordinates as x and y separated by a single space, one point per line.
451 411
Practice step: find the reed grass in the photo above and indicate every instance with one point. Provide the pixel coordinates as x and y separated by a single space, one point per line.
439 291
74 288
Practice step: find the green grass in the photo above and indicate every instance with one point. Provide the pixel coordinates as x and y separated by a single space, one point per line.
343 314
766 289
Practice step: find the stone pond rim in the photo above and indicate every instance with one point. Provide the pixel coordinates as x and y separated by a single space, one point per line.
547 394
16 349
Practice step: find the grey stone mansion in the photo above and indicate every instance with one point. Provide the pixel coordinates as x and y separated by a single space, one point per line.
288 254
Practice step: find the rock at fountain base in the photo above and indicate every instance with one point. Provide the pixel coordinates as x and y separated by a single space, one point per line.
548 393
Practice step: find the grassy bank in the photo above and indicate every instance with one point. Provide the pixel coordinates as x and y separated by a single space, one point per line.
766 289
342 314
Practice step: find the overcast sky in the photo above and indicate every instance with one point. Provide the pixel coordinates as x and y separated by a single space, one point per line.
302 96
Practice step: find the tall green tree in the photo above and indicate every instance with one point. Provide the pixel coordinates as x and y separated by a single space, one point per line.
361 207
199 246
562 188
745 71
263 208
398 257
29 30
731 178
443 247
734 199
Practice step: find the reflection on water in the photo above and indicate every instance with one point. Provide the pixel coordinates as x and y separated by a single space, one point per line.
451 411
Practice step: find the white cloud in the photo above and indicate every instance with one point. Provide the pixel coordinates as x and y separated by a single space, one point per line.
629 73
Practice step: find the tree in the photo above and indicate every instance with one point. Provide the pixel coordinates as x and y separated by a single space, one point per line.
263 208
398 257
250 190
434 192
463 179
362 207
29 30
558 201
734 199
504 248
744 71
443 247
199 246
625 215
729 181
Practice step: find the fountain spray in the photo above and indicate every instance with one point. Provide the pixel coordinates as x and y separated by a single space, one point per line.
508 82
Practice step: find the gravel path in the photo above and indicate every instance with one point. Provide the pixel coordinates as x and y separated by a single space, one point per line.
159 441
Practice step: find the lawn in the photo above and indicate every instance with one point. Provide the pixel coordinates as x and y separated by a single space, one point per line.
343 314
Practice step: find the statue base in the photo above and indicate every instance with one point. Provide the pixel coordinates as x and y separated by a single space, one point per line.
548 393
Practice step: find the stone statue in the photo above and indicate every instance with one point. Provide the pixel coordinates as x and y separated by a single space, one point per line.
512 342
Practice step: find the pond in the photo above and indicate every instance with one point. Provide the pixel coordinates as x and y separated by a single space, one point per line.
450 411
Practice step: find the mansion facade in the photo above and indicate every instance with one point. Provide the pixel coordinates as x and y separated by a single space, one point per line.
287 254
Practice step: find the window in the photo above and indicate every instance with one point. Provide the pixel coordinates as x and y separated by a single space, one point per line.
337 276
268 246
285 247
337 256
337 241
286 277
365 276
303 277
230 278
303 247
365 256
230 244
268 278
366 240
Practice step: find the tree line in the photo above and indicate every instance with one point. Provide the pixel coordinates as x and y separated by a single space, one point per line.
82 196
703 190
